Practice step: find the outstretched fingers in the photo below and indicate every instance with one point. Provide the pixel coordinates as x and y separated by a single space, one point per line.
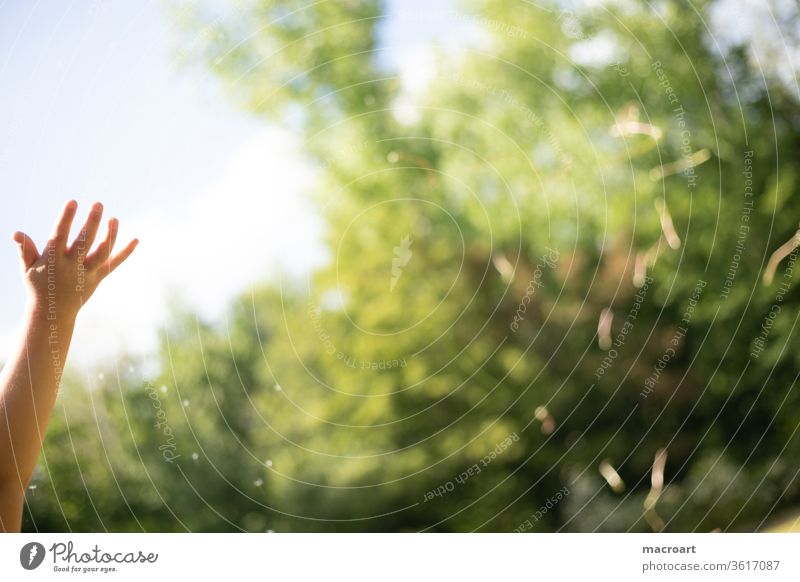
103 251
120 257
28 253
86 237
63 225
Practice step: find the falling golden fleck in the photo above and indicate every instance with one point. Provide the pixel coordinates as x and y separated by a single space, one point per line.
604 328
611 476
682 165
644 260
656 479
503 266
659 463
622 129
656 487
673 240
627 123
780 253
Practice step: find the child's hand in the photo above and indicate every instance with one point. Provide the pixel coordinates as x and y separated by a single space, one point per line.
59 281
62 278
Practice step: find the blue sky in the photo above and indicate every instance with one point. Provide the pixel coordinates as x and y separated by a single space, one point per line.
92 106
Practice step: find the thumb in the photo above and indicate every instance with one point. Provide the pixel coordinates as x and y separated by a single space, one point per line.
27 249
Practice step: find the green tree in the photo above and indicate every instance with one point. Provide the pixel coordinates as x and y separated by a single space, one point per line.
578 162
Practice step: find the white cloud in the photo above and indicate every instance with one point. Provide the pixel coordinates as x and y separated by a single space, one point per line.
419 37
598 51
252 223
417 68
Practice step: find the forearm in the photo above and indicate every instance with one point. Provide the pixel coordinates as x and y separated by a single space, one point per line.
28 386
60 280
12 500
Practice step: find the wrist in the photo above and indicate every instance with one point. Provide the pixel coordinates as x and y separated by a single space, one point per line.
42 310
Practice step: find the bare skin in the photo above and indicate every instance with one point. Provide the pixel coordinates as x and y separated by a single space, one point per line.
59 281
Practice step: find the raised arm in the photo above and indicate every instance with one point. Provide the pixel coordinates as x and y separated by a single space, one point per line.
59 281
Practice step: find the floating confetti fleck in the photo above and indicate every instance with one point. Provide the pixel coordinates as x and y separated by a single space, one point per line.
656 479
503 266
645 260
604 328
268 463
195 456
673 240
780 253
278 388
656 487
258 482
611 476
627 123
682 165
635 127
